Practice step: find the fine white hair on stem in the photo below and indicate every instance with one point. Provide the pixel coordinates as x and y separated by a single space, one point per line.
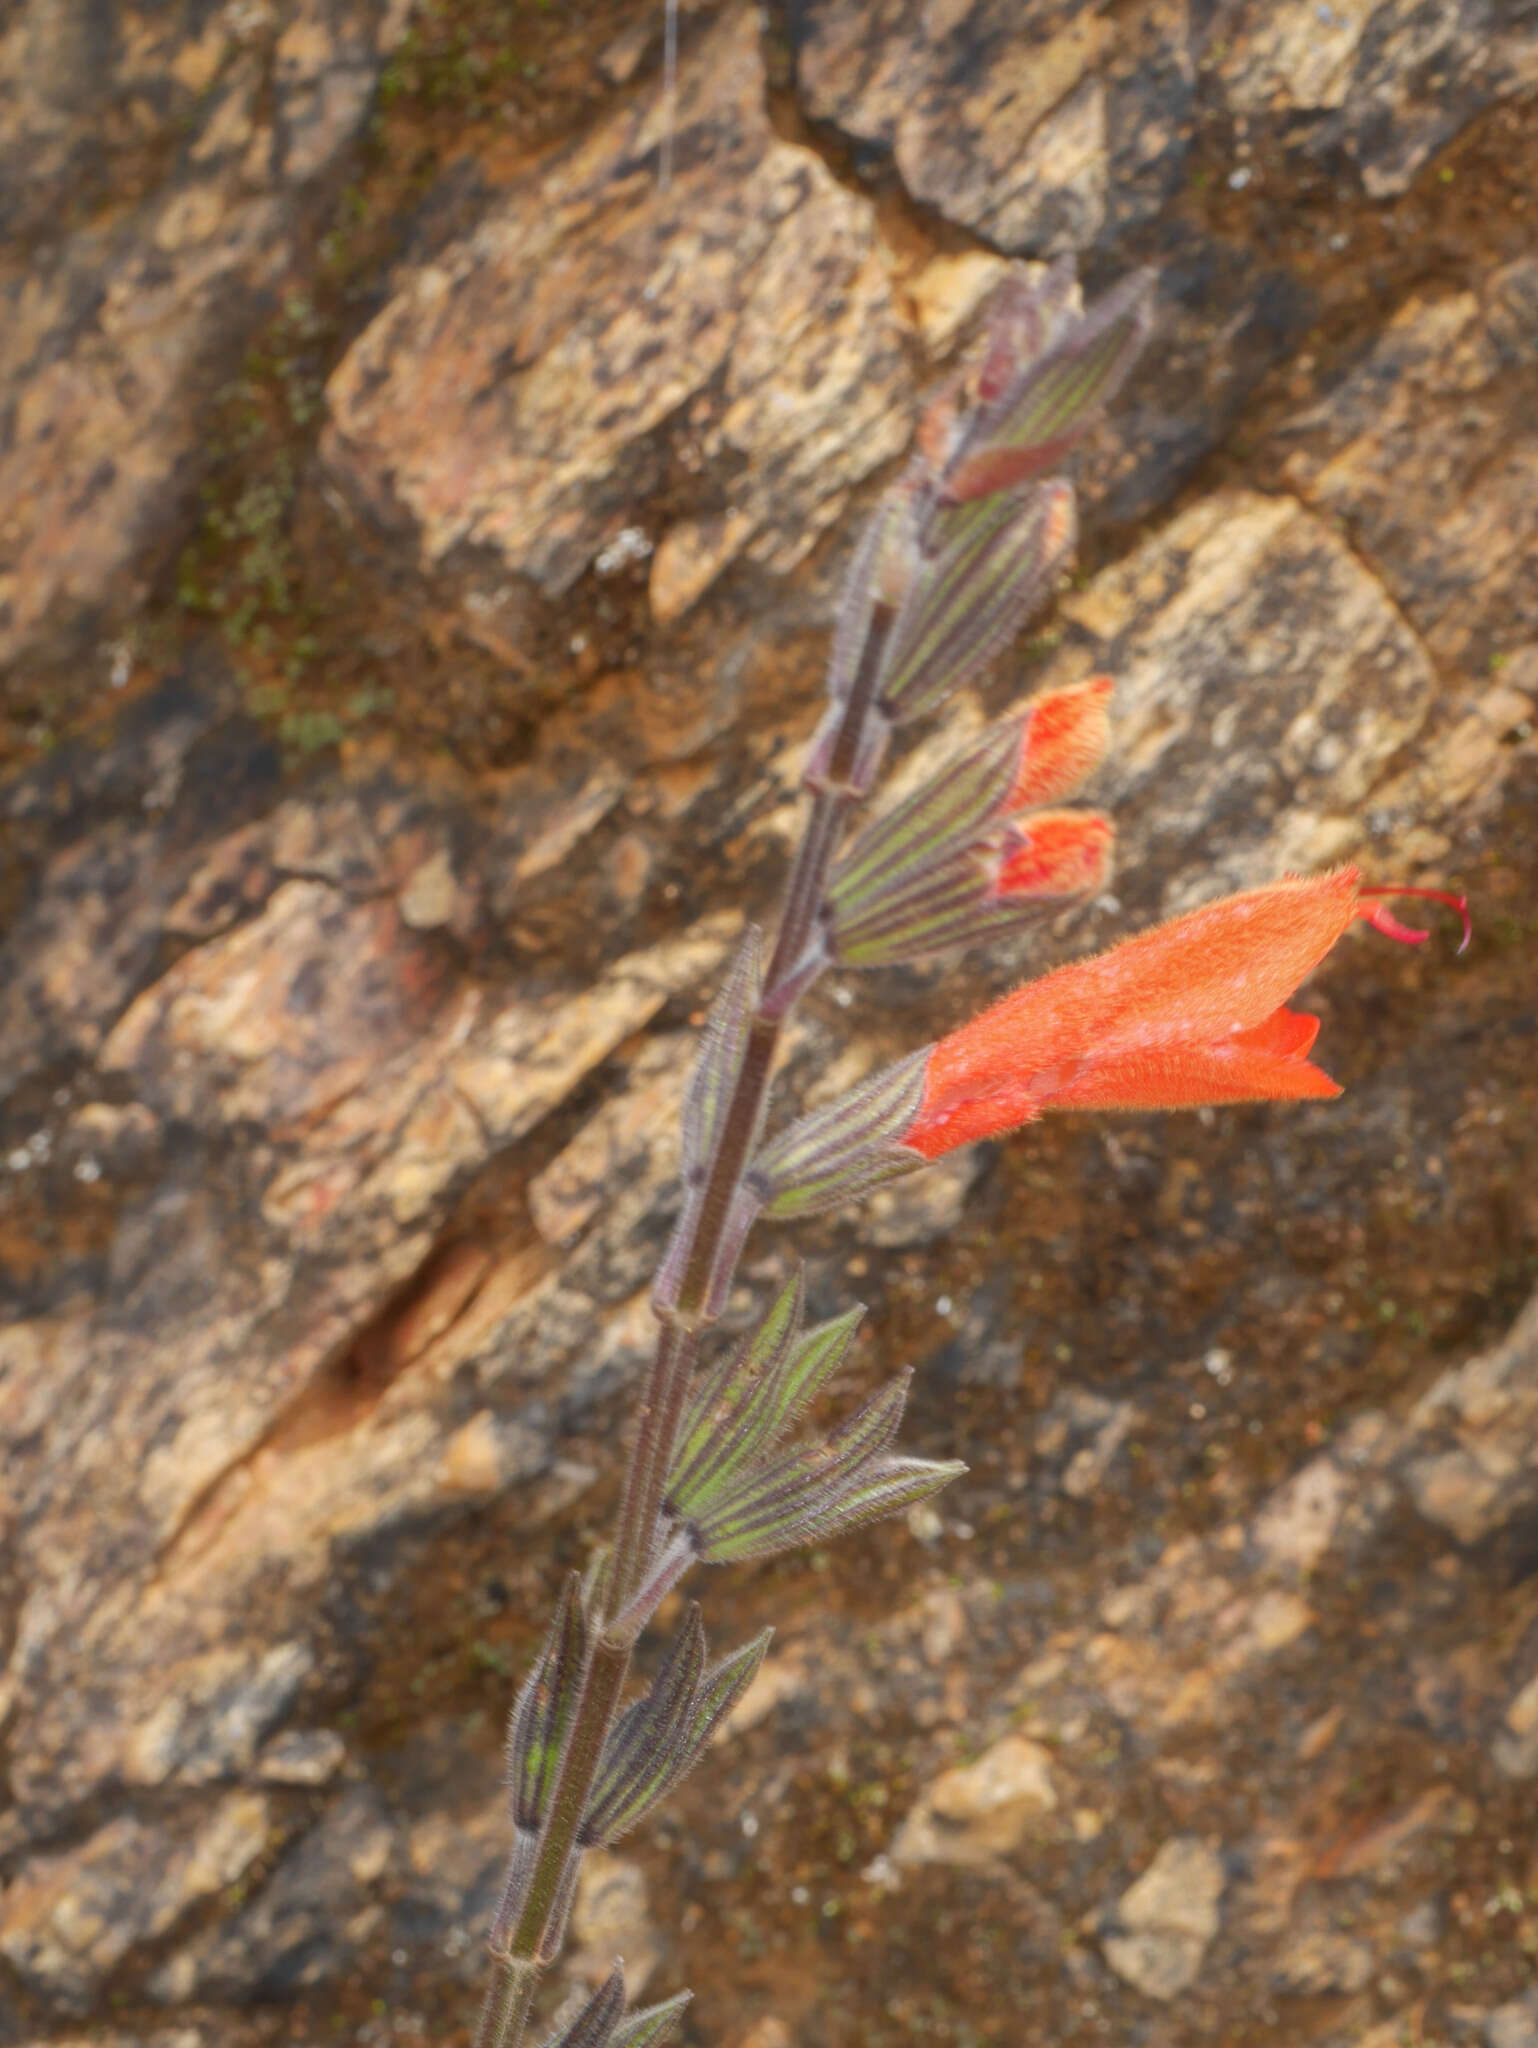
669 89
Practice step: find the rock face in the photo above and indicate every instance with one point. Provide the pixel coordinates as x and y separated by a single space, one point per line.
381 1076
980 1811
338 1101
1207 630
1442 406
1387 83
122 289
1047 126
780 364
1042 127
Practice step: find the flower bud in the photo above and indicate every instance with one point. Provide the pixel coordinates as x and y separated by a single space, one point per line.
1056 854
1063 736
1039 414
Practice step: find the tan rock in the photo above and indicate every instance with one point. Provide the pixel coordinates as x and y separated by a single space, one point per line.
634 1133
1471 1466
1265 683
948 292
1515 1748
1298 1522
980 1811
1322 1961
1428 450
1290 55
1033 124
66 1920
611 1917
1393 82
788 304
1168 1919
530 1055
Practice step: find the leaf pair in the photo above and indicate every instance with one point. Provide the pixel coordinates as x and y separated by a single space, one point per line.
843 1149
738 1496
1048 374
662 1735
603 2023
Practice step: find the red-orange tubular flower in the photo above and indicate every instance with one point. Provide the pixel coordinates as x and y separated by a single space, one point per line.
1191 1012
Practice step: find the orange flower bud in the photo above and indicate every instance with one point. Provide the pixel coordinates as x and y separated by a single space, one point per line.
1056 853
1064 737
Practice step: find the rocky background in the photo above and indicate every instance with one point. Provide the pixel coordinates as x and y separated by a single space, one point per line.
417 537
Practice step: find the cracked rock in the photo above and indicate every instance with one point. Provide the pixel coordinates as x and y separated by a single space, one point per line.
1428 455
1474 1467
1265 683
1041 124
325 1078
1388 81
516 394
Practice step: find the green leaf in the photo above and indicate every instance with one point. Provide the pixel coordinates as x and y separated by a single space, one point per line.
640 1751
593 2026
1033 423
719 1059
951 810
879 572
710 1437
543 1710
997 562
780 1502
650 2028
803 1374
886 1488
722 1689
667 1741
760 1412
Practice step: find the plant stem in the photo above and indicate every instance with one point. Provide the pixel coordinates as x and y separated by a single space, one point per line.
646 1475
506 2012
833 793
602 1684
